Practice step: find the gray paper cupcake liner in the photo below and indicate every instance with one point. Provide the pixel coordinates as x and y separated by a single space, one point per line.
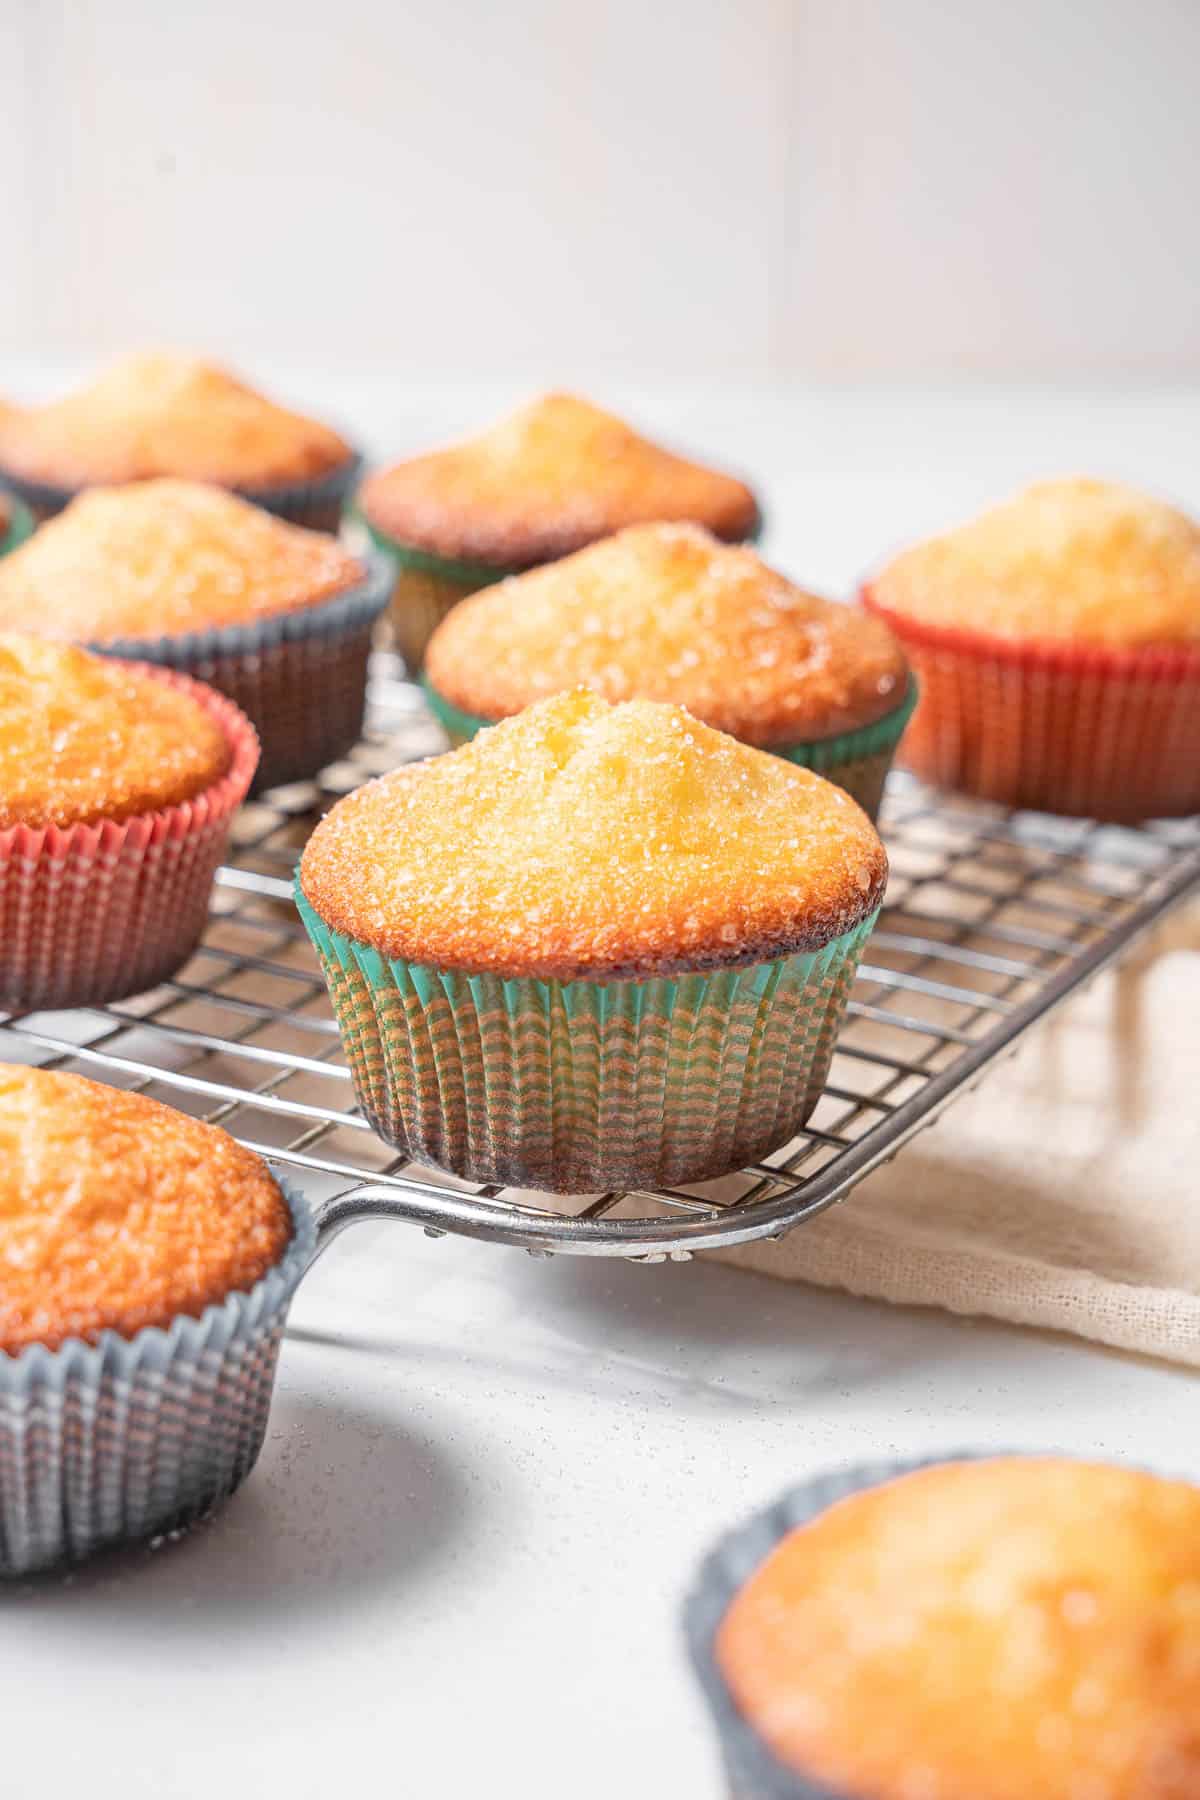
754 1772
300 676
123 1439
317 503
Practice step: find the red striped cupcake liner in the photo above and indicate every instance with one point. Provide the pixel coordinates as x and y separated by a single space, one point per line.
91 913
1098 733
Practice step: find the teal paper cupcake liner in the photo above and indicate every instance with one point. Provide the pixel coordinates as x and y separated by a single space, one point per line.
582 1086
300 677
459 726
317 503
470 575
857 761
16 521
122 1439
425 588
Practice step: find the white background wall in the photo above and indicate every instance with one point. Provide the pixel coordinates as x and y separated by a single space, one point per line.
837 188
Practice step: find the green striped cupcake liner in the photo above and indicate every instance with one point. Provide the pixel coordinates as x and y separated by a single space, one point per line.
857 761
583 1086
17 522
426 589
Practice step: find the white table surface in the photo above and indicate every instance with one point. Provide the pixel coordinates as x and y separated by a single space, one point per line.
459 1564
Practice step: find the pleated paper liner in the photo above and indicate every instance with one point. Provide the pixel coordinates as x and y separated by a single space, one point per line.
1091 732
579 1086
91 913
856 761
16 522
299 676
753 1770
122 1439
424 590
317 503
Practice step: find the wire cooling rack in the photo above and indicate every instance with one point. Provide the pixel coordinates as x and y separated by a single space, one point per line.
991 920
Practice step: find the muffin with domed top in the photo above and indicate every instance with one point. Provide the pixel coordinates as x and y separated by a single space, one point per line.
599 946
118 785
163 413
554 476
667 612
1056 639
147 1261
985 1628
120 1212
277 617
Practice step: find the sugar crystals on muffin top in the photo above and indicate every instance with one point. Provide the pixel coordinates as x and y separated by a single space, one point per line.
667 612
582 838
1075 560
162 413
157 558
86 738
556 474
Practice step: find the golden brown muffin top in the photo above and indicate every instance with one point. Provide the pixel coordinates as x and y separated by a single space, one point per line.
159 413
583 839
666 612
85 738
550 478
161 557
1076 561
1006 1629
117 1212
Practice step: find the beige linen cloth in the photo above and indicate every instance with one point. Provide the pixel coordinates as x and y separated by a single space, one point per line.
1064 1192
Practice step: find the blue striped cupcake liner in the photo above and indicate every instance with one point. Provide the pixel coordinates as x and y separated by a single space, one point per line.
300 677
114 1441
317 503
753 1770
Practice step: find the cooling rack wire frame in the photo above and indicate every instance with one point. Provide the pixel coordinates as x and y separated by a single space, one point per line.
991 920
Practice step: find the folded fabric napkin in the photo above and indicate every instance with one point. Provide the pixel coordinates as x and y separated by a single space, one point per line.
1064 1192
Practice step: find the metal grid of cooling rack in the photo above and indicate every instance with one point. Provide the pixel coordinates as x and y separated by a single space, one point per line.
991 920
